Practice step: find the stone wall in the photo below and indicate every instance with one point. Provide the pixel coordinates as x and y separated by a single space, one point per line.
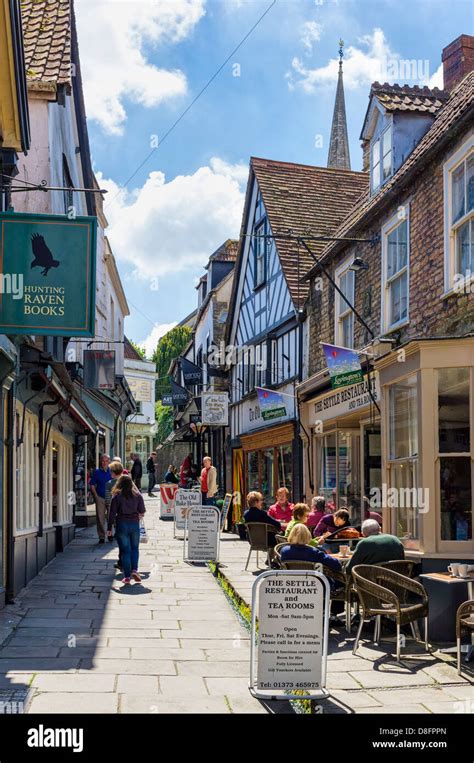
172 453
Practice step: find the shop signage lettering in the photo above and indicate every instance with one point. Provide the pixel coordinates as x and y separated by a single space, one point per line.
184 499
202 534
215 408
346 399
54 259
291 635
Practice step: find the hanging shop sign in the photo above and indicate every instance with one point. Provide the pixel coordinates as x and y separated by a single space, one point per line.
343 365
167 495
99 369
192 374
289 653
179 395
342 402
47 267
201 534
184 499
215 408
141 389
271 404
167 400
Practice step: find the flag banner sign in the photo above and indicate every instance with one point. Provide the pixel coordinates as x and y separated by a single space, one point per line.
271 404
215 409
99 369
179 395
167 400
47 267
192 374
343 365
167 494
141 389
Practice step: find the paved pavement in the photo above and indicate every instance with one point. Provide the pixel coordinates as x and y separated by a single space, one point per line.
78 641
372 681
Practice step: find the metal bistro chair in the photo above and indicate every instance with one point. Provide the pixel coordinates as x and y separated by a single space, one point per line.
384 592
464 623
257 534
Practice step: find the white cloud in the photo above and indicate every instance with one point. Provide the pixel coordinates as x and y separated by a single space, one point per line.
310 33
113 35
436 80
362 65
169 227
150 342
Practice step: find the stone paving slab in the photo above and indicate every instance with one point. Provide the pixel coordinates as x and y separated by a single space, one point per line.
74 702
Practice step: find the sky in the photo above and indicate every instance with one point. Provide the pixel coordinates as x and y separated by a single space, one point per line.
174 160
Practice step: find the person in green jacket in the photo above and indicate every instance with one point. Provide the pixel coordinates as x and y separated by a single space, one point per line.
375 546
300 516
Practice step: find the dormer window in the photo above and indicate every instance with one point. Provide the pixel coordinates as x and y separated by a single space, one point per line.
381 159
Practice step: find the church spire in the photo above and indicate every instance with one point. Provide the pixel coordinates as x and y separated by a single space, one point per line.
339 146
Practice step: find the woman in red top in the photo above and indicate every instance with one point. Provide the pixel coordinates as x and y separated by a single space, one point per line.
282 510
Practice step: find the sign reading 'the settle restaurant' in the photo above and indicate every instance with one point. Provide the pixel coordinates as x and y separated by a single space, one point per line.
290 636
47 270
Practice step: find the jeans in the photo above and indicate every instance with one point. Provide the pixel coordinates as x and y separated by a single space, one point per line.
207 501
151 481
128 538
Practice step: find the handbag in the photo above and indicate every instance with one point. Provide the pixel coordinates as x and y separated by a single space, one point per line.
143 532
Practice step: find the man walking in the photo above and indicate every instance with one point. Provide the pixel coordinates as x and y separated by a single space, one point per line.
150 468
208 482
97 485
137 471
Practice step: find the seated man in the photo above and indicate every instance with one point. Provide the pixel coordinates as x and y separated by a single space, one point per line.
255 513
375 546
298 549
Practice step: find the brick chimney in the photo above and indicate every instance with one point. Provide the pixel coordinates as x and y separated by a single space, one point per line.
458 60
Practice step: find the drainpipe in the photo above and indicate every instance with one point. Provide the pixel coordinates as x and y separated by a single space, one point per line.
9 592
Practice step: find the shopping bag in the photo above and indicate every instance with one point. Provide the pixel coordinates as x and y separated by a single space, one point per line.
143 532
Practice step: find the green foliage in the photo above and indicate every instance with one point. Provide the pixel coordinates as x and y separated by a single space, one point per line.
137 348
164 421
169 347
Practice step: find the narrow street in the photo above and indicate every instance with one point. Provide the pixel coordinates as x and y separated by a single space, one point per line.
87 644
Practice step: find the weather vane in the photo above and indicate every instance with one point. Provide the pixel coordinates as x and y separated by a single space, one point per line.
341 52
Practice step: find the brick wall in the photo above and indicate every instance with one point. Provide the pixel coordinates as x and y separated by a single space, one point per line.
429 314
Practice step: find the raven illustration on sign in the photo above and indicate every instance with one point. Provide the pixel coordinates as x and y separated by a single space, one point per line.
42 255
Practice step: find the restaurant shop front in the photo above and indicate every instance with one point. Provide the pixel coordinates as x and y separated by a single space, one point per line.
412 458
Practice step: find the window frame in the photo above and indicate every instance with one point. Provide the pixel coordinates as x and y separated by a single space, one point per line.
391 225
340 272
459 157
379 138
262 224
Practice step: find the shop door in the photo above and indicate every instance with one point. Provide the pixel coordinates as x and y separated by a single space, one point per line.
372 465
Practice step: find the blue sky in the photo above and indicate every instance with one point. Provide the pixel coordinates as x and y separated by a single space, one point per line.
188 196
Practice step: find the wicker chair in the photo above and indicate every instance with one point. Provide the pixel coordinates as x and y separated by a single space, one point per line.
402 566
383 592
294 564
280 539
257 534
345 592
464 624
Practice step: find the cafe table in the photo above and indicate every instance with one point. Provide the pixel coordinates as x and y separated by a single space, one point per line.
445 594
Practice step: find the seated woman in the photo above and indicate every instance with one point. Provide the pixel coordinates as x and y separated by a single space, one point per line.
318 511
298 549
300 516
331 522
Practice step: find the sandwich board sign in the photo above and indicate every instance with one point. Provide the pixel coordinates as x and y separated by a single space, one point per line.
184 499
289 653
167 494
202 534
225 508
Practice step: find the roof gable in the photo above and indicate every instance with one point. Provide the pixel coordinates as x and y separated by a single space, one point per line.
47 43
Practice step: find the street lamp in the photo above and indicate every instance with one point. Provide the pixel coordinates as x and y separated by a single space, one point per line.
198 428
358 264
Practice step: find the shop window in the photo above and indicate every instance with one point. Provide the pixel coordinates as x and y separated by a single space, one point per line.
454 439
344 330
267 475
285 466
253 477
459 216
403 460
395 286
339 470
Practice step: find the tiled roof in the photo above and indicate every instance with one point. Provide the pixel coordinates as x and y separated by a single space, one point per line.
227 252
129 351
47 43
459 105
408 98
305 198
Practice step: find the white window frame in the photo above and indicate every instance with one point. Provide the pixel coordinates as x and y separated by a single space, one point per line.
339 316
449 167
380 137
390 226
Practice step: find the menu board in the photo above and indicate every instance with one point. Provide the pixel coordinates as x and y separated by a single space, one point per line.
290 636
202 534
225 508
183 500
167 495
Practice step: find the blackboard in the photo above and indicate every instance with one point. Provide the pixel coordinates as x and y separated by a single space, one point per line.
225 509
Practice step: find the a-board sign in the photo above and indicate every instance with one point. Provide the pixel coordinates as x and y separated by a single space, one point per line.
225 508
292 607
183 500
201 535
167 495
